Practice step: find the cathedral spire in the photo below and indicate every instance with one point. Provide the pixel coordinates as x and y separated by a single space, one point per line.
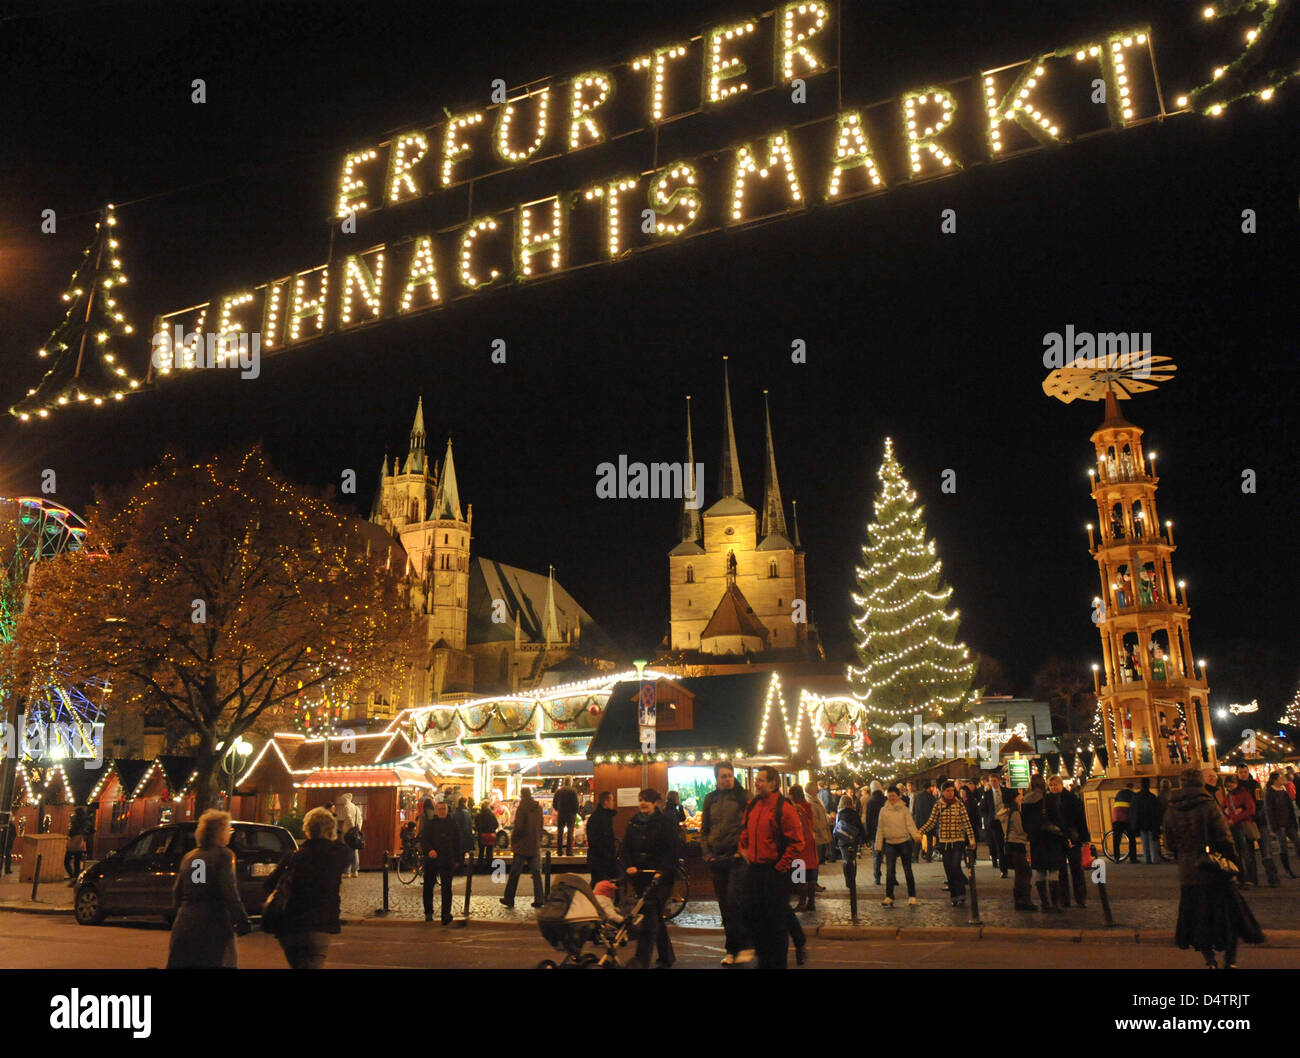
690 528
415 457
377 508
794 518
447 502
773 509
550 623
729 480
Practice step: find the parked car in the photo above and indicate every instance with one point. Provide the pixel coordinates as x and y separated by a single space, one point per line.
137 879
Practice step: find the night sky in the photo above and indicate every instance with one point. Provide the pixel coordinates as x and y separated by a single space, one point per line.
935 340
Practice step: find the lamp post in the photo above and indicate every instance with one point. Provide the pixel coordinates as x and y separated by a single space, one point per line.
231 761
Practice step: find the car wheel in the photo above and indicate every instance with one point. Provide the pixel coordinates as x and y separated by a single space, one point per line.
89 910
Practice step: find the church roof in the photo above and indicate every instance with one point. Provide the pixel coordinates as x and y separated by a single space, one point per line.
524 595
734 617
730 505
687 547
775 542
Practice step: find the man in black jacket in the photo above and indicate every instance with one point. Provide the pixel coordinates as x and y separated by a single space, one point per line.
1075 825
602 849
922 806
566 814
723 818
440 842
648 859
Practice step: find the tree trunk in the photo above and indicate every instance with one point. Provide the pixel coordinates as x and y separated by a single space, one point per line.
207 783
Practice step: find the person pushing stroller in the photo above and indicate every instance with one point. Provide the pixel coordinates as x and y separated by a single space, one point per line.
647 860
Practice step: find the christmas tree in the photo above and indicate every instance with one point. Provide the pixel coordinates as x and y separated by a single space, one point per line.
87 346
911 662
1291 716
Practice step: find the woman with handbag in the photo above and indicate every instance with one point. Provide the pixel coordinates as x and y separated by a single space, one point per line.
302 908
348 817
485 826
1239 807
1212 914
849 834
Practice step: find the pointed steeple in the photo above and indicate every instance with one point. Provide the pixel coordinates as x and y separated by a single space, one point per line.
773 509
729 479
447 503
377 508
794 520
690 528
415 457
550 624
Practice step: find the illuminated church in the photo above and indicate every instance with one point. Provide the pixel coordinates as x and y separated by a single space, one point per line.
737 590
486 627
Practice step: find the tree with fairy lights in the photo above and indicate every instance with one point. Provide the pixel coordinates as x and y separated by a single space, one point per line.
224 596
910 661
87 349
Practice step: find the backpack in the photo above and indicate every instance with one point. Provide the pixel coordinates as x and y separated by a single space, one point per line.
781 840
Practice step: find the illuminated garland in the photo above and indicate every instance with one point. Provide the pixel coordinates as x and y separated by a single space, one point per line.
93 328
1241 78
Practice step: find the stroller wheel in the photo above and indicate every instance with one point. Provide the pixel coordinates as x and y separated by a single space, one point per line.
546 964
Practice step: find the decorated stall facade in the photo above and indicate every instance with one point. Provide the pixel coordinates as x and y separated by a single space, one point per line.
292 774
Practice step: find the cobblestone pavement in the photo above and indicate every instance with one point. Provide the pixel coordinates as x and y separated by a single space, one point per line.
1141 896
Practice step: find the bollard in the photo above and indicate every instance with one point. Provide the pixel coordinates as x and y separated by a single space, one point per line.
974 894
469 889
36 878
851 877
546 871
388 859
1099 877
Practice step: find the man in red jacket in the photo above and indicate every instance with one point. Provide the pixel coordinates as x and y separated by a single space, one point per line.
771 841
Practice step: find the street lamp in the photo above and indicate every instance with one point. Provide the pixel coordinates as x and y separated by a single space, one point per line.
231 761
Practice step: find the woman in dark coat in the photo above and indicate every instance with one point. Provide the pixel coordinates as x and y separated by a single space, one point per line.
485 823
602 851
849 834
316 875
1212 916
1046 830
209 913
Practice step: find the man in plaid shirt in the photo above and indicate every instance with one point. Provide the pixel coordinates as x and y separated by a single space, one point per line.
956 835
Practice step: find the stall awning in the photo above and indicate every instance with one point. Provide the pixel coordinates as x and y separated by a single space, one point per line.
341 778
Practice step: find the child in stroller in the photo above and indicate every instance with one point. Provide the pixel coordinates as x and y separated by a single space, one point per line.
575 915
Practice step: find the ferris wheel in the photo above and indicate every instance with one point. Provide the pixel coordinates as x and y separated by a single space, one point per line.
63 719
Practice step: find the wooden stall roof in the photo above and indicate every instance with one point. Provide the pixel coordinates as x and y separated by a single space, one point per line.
342 778
297 755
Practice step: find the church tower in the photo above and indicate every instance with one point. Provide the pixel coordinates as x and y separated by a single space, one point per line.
1153 696
735 576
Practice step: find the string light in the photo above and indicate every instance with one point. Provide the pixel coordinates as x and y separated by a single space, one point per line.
792 37
747 167
401 160
916 139
302 307
422 275
852 151
1015 106
582 121
359 279
657 64
351 186
719 69
454 148
468 242
506 118
664 202
531 243
271 322
612 192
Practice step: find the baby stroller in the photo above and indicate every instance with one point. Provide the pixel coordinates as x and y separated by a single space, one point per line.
574 917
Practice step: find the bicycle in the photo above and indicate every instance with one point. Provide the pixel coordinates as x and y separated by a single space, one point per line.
410 863
1112 838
